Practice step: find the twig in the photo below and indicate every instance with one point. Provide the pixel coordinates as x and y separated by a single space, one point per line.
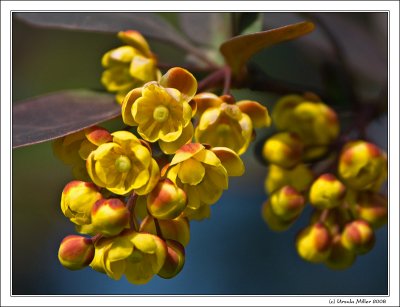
131 207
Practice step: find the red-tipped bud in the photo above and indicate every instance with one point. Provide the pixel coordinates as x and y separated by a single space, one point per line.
174 260
166 201
76 252
327 192
358 237
284 149
110 216
371 207
314 243
177 229
287 203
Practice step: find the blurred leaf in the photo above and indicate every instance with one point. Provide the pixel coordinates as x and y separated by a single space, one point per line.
150 25
238 50
206 29
249 22
54 115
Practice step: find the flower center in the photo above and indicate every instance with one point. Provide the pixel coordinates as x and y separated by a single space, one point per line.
136 256
223 129
123 164
161 114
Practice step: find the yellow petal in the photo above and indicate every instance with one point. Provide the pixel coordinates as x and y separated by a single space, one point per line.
127 104
171 147
191 172
182 80
207 157
186 151
257 112
136 40
142 68
120 249
154 177
144 242
230 160
205 101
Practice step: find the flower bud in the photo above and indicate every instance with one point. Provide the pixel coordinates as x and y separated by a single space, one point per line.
362 165
166 201
314 243
358 236
340 258
327 192
283 149
371 207
275 222
177 229
174 260
77 200
287 203
110 216
299 177
76 252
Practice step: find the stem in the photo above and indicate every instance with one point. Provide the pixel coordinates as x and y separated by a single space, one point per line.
96 238
131 207
212 80
324 216
158 228
227 80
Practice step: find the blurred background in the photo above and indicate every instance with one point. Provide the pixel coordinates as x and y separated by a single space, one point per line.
233 252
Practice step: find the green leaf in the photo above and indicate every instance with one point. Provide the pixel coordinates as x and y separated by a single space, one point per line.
238 50
54 115
150 25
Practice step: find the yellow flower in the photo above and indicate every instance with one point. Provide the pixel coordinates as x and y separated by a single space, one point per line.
73 149
129 66
203 173
123 165
138 256
226 124
314 243
162 110
327 192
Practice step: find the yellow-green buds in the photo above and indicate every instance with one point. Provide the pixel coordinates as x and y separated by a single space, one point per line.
162 110
123 165
166 201
362 165
327 192
129 66
358 237
76 252
371 207
77 200
283 149
110 216
299 177
314 243
226 124
174 260
314 122
287 203
177 229
340 258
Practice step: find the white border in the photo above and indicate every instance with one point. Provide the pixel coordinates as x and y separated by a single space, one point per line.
8 6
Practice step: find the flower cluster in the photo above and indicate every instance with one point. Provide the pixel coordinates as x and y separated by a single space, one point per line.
137 189
347 206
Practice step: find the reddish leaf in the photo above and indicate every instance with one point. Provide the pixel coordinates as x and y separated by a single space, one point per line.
50 116
238 50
